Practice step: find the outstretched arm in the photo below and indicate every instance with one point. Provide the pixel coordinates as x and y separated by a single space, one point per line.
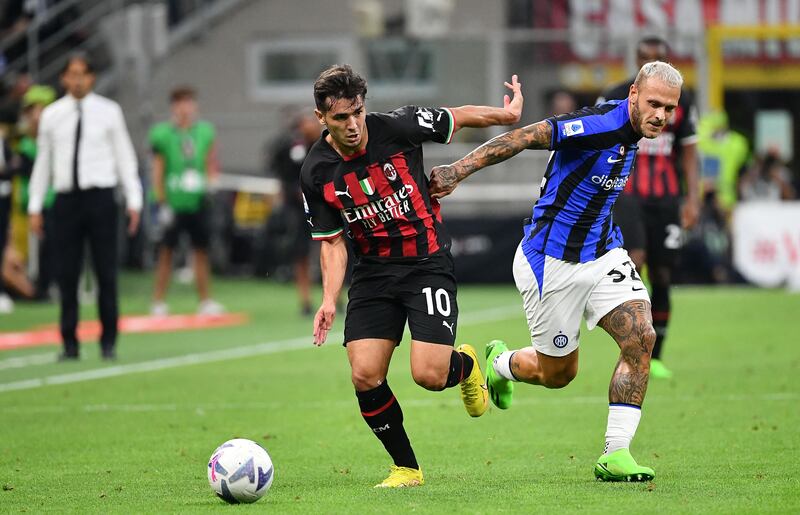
445 178
487 116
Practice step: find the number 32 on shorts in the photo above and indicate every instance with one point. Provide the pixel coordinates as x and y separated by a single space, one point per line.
441 300
618 276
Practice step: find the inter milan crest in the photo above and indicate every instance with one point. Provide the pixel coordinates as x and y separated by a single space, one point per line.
389 171
561 340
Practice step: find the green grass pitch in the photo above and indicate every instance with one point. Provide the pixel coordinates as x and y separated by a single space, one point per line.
723 435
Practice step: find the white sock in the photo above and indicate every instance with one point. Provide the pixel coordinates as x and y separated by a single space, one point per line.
623 419
502 365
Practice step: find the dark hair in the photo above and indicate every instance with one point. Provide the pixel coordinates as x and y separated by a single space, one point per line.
653 41
78 56
182 93
338 81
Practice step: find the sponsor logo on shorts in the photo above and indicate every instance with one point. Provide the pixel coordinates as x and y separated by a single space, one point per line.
449 326
561 340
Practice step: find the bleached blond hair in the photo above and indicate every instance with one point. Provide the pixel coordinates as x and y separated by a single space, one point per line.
665 72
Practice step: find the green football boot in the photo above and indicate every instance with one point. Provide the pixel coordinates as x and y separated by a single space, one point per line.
658 370
620 466
501 389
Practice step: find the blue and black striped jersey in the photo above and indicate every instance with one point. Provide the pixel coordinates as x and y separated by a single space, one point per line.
594 152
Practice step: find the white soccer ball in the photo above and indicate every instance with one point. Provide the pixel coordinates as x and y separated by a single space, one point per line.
240 471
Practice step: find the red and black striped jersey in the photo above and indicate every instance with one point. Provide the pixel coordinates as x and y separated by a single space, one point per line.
657 173
379 198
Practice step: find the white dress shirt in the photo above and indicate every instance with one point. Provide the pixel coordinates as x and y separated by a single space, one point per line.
105 159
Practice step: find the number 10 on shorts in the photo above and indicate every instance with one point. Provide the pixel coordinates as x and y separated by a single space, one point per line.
442 301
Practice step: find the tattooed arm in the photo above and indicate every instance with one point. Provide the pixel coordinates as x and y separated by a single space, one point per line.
444 179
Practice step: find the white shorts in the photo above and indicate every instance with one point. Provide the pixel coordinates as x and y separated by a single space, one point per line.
564 292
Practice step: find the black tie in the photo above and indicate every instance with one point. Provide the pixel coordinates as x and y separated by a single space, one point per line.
76 186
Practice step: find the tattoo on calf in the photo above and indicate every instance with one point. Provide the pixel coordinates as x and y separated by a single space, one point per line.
631 325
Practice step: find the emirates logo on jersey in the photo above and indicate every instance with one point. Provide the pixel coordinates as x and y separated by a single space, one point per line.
390 171
391 207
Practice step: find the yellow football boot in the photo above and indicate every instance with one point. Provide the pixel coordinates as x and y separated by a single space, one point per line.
473 388
402 477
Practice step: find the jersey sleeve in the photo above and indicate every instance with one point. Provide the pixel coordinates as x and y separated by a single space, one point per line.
155 138
324 221
686 131
421 124
589 128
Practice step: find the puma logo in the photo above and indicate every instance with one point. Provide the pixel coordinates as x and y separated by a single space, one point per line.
345 193
449 326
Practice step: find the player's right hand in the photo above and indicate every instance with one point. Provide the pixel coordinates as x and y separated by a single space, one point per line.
36 224
444 180
323 321
513 105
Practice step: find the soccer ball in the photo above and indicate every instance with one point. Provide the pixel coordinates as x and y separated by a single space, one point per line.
240 471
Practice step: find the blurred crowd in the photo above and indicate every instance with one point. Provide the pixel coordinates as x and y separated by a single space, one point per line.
730 173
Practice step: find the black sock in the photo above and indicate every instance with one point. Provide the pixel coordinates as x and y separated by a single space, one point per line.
661 311
383 415
460 368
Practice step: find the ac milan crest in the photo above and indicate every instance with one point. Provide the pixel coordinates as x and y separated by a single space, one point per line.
389 171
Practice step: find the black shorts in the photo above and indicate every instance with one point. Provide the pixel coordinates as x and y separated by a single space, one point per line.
383 295
197 225
654 226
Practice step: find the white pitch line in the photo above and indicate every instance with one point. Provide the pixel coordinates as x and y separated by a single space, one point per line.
26 361
500 313
160 364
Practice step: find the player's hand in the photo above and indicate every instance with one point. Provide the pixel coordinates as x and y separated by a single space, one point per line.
165 216
690 213
444 180
513 105
133 221
323 321
36 224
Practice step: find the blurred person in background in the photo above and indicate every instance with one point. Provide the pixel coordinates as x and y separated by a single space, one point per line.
184 161
288 154
562 101
768 179
6 174
724 154
654 208
85 152
570 263
33 103
17 85
365 178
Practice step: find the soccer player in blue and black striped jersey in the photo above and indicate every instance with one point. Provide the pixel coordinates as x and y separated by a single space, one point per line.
571 264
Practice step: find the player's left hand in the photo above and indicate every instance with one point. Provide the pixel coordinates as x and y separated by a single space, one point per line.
323 321
690 213
513 105
133 221
444 180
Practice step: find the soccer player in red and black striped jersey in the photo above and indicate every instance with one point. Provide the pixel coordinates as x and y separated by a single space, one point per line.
364 179
660 199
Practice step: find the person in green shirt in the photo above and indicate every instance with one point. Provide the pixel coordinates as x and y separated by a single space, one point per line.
184 159
33 103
